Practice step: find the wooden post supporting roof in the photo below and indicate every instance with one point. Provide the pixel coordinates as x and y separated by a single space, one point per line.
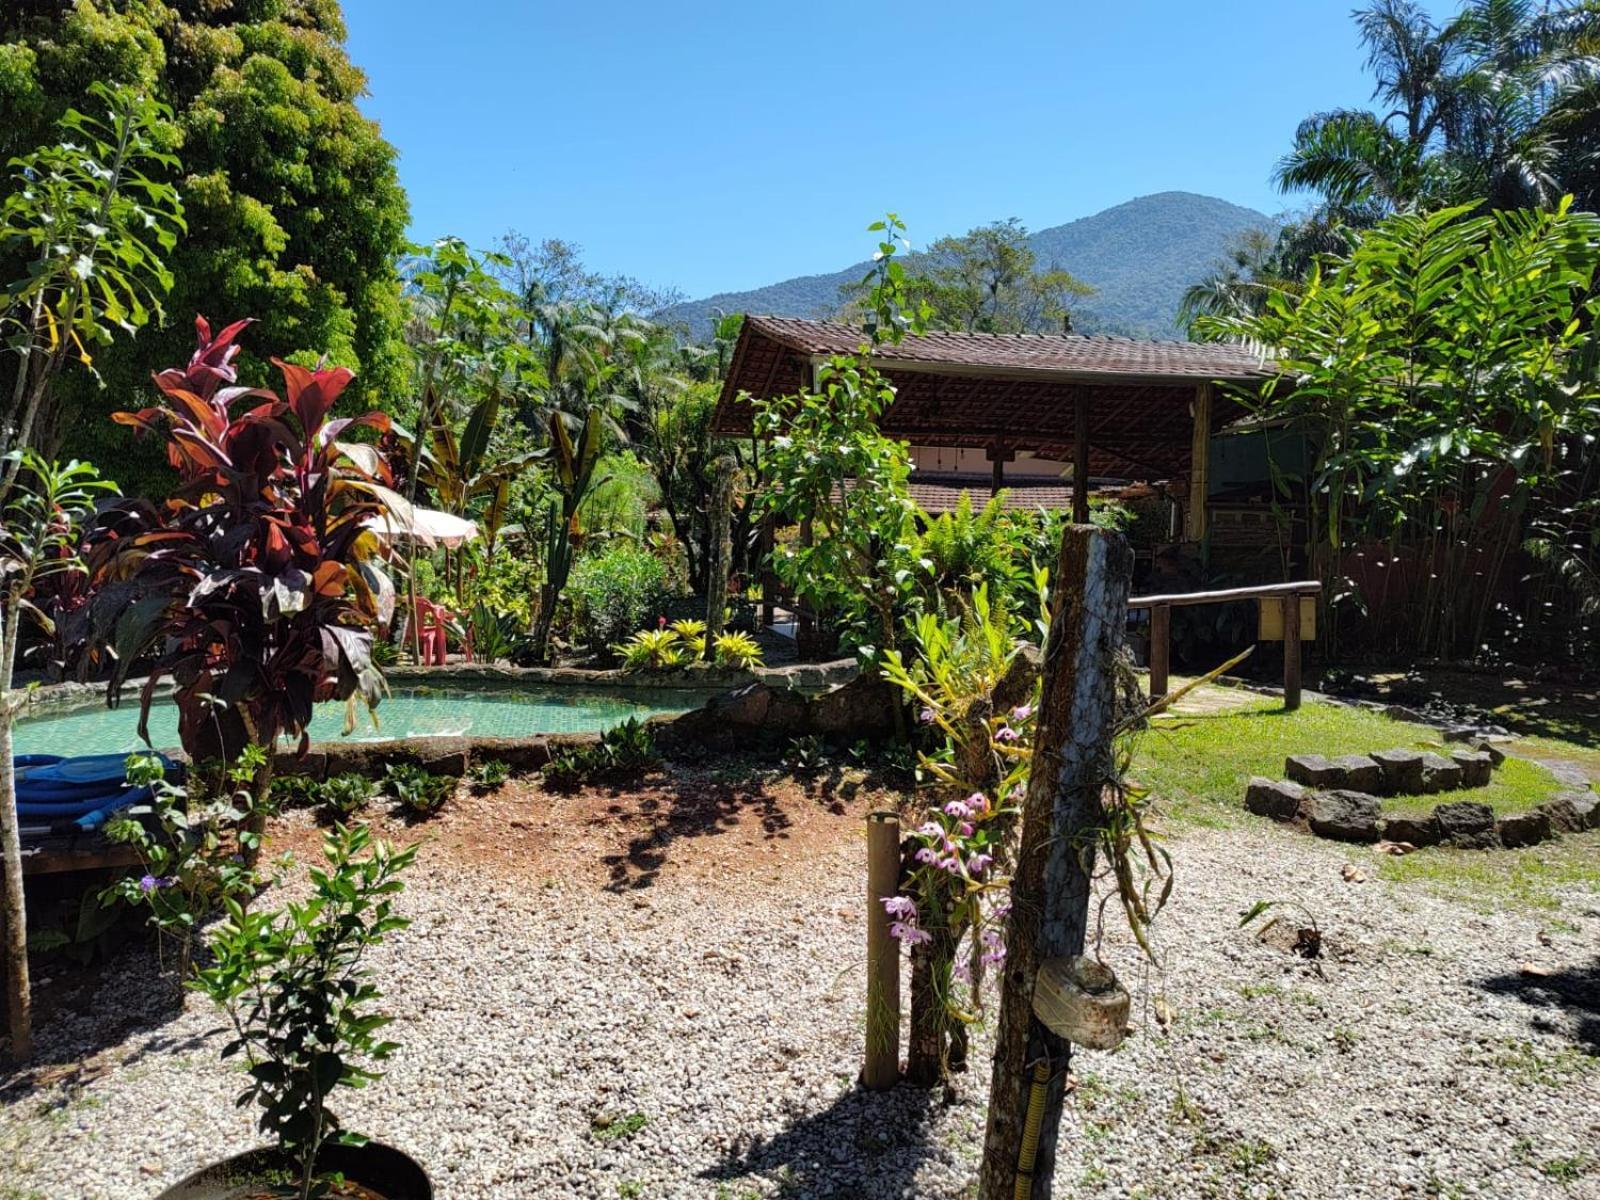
1080 458
999 455
1199 464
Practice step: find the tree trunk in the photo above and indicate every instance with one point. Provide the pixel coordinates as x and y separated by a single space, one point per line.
930 981
13 905
1050 887
721 554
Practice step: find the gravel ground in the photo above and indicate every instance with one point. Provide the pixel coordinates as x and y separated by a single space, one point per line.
679 1018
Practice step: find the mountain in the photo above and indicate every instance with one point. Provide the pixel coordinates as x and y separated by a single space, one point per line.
1139 257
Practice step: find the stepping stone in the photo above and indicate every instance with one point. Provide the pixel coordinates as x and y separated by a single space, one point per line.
1477 768
1439 774
1361 774
1467 824
1525 828
1402 772
1279 799
1345 816
1419 831
1313 770
1572 812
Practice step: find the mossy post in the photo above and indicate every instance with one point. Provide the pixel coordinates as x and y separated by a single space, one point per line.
721 551
1050 887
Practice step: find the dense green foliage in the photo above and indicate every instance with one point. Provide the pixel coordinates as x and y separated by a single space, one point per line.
93 218
615 592
1446 373
293 205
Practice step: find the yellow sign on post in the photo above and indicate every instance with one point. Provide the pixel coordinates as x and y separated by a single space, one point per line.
1269 627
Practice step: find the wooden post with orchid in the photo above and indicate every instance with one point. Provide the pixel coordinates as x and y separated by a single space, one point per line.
1062 822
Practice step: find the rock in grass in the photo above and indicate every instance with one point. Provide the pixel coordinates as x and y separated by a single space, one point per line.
1477 768
1496 755
1276 798
1418 831
1345 816
1402 772
1440 774
1572 812
1359 773
1313 770
1467 824
1525 828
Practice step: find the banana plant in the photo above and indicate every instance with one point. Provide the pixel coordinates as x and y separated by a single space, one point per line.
461 470
573 465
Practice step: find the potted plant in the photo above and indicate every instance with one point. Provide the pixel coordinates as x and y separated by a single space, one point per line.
300 999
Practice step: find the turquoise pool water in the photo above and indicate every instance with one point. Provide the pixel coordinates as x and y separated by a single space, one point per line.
405 713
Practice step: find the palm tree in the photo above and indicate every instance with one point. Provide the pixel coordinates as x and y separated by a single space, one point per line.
1500 104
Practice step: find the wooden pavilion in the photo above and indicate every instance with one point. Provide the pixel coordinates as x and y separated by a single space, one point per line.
1106 407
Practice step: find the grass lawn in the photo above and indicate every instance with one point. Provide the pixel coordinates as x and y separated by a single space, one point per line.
1199 764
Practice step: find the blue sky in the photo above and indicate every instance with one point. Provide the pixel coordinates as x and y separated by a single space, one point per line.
712 146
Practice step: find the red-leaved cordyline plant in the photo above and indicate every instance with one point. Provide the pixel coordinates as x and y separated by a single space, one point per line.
255 582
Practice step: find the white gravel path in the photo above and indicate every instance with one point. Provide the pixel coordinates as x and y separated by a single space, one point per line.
537 1015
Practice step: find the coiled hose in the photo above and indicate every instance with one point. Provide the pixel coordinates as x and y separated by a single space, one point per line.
1030 1130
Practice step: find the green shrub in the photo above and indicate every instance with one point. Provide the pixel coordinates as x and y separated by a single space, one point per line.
613 593
623 750
421 793
488 774
345 795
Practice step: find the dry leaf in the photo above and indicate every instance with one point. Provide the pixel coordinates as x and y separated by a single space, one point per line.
1164 1012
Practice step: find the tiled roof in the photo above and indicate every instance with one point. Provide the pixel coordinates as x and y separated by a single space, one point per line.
1060 354
943 495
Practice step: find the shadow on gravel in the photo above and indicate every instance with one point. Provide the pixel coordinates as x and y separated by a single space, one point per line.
686 808
866 1146
95 1009
1574 991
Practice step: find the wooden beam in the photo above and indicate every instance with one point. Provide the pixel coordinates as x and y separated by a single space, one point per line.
1301 587
1080 457
1199 463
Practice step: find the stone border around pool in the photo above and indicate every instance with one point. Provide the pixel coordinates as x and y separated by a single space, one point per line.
701 677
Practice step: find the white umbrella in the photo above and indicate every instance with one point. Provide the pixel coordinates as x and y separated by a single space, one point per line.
426 524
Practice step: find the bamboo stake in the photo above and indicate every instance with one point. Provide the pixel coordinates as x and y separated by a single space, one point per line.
882 1066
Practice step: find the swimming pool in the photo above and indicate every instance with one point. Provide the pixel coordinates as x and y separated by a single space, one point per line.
407 712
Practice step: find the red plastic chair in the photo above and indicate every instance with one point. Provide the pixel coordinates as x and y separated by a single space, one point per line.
435 623
431 632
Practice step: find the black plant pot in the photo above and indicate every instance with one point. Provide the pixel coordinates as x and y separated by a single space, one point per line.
382 1171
